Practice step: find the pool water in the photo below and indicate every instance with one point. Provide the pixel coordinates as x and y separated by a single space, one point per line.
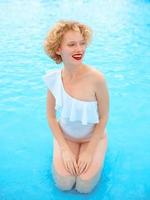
121 50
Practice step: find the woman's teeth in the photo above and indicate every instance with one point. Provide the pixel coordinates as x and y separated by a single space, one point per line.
77 56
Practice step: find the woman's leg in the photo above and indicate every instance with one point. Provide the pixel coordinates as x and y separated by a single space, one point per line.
63 179
85 182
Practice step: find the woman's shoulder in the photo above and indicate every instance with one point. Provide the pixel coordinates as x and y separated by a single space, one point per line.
50 77
95 74
51 72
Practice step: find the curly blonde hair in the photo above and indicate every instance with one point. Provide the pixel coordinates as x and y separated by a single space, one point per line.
55 36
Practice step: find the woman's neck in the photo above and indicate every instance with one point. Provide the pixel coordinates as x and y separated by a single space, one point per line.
73 72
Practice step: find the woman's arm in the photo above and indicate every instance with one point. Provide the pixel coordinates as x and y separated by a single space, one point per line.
103 108
52 121
67 155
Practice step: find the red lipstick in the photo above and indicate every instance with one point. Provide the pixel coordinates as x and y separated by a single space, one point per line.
77 56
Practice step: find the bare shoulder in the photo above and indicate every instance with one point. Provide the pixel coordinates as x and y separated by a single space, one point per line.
96 75
99 83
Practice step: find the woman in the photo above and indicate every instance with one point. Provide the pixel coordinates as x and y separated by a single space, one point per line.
79 93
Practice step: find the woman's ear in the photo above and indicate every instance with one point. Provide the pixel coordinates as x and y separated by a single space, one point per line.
58 51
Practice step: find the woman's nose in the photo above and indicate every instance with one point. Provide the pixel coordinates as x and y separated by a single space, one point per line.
79 47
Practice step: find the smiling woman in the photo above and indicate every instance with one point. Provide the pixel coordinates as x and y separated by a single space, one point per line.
121 50
57 35
74 45
80 140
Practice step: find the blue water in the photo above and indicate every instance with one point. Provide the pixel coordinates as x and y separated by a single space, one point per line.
121 50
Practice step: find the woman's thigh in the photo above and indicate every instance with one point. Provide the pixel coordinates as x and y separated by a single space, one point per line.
57 158
98 159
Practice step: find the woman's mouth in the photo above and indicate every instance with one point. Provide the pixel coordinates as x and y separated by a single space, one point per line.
77 56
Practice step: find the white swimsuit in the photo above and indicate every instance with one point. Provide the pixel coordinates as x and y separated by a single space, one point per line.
77 117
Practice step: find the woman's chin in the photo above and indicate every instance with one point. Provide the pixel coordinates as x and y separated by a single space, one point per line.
77 62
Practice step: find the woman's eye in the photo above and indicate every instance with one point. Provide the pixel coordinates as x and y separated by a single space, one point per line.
70 45
83 43
73 44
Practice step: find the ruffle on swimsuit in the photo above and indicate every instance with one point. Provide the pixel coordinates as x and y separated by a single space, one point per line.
71 108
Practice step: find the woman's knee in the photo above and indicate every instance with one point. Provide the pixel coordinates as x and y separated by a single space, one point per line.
87 185
63 182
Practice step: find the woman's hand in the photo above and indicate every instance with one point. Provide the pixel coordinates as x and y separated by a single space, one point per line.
70 162
84 161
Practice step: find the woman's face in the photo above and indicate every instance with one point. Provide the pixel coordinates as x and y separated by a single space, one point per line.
72 48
